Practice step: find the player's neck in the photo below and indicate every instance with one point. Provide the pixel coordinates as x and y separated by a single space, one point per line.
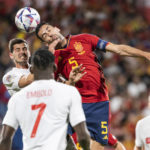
43 76
22 65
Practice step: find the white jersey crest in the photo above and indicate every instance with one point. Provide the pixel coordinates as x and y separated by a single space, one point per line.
11 79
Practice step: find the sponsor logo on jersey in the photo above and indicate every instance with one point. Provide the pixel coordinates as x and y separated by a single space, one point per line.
79 48
148 140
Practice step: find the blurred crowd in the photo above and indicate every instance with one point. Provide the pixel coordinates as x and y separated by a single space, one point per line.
117 21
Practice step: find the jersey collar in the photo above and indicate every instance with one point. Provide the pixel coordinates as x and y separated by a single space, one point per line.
68 41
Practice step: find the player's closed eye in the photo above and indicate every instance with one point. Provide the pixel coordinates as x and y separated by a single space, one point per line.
48 29
24 49
17 49
44 35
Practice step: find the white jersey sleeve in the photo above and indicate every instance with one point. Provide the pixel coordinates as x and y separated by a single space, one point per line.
11 79
76 111
10 117
138 140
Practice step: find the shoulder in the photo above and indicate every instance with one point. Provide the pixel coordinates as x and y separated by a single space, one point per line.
10 71
84 36
8 76
21 94
144 121
15 98
65 87
62 85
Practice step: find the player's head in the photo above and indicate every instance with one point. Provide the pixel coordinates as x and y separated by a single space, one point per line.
19 50
43 64
48 33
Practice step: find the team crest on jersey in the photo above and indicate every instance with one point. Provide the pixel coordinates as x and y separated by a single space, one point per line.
79 48
9 78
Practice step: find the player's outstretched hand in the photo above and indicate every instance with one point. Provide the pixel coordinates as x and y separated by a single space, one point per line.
148 56
76 74
51 46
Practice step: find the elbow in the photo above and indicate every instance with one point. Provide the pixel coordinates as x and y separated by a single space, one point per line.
115 48
122 50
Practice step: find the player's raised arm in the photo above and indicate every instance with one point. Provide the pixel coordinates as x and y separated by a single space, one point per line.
126 50
26 80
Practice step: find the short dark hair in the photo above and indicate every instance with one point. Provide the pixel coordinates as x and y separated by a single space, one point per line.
14 41
43 59
38 28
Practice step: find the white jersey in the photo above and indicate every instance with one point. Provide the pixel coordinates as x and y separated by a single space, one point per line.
11 79
143 133
43 110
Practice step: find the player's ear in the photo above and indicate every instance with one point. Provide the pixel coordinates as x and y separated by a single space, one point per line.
11 55
54 67
31 69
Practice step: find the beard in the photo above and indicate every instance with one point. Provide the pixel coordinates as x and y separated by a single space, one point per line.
22 62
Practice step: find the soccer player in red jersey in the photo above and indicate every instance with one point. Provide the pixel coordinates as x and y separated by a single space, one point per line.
78 49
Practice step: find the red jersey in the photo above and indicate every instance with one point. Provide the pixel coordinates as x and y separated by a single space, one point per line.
79 50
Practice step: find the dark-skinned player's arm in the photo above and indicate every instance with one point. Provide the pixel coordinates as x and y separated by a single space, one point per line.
125 50
10 125
77 119
70 143
83 135
6 136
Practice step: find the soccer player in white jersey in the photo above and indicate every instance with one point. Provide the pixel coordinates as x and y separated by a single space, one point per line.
142 133
43 109
19 76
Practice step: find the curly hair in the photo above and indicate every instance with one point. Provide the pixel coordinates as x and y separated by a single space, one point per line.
42 58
